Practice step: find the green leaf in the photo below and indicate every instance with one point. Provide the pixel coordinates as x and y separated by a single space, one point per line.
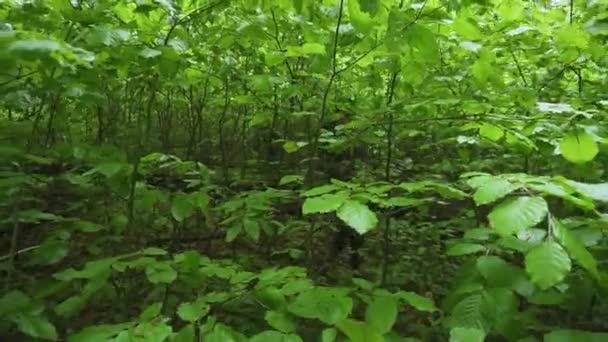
291 179
467 335
597 192
101 332
154 251
291 146
494 189
280 321
186 334
578 147
572 36
109 169
272 297
192 312
252 228
465 27
275 336
322 204
547 264
424 41
358 331
471 312
34 45
51 251
151 312
575 336
360 20
357 216
464 248
320 190
182 207
381 313
499 273
70 306
152 331
482 69
419 302
329 335
305 49
233 232
489 131
35 326
150 53
516 214
160 272
326 304
503 308
576 248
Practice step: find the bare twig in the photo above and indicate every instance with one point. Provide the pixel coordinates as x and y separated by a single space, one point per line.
189 17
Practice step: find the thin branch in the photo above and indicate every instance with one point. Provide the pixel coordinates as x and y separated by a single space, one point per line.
377 44
21 251
279 45
332 77
521 74
17 78
189 17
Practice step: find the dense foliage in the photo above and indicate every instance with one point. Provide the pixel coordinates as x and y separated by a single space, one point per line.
304 170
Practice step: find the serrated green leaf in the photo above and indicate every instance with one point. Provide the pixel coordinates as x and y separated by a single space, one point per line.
499 273
578 147
494 189
471 312
516 214
576 248
548 264
467 335
358 216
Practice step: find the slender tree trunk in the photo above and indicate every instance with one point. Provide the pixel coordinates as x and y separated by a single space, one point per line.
222 140
386 250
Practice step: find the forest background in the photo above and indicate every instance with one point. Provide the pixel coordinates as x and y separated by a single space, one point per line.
303 170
